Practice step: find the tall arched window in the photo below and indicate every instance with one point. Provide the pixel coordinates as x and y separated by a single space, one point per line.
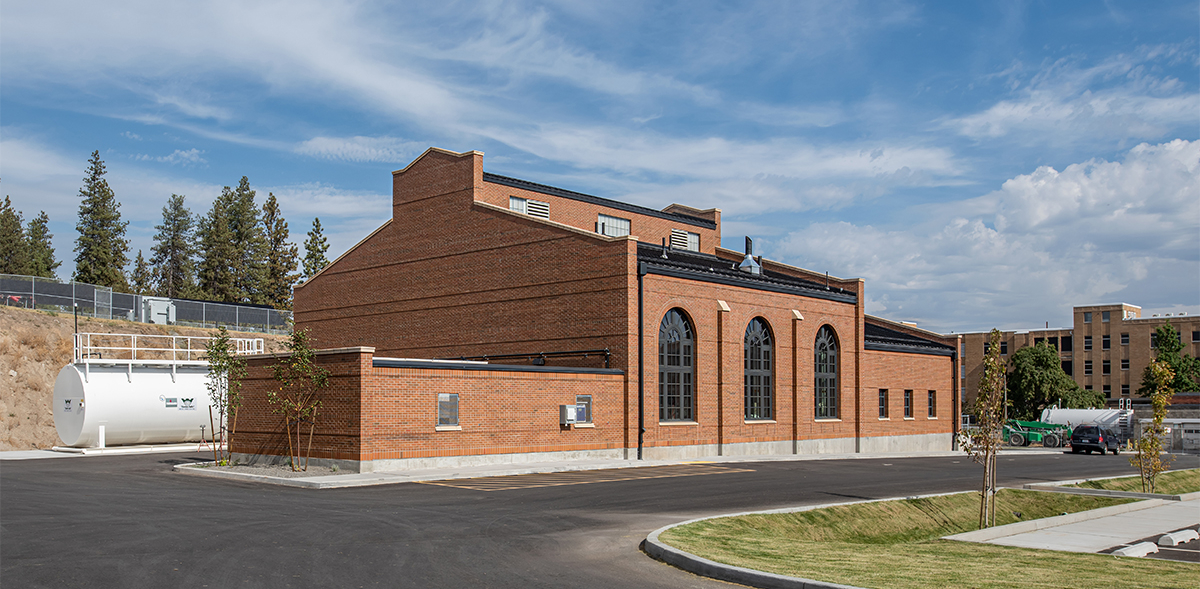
676 368
825 368
758 370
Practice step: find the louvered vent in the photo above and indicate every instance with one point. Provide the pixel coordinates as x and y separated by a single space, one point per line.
537 208
685 240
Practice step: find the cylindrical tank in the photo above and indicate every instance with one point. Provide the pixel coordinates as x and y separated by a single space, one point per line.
1073 417
144 405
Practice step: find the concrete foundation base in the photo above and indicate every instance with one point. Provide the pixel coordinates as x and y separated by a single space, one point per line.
917 443
399 465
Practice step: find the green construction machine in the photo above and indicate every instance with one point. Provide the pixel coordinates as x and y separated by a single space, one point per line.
1024 433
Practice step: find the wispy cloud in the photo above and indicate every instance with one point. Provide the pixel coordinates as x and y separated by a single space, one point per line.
1067 102
390 150
189 157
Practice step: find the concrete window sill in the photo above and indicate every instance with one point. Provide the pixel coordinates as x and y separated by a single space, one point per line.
885 419
584 425
674 423
827 419
909 419
757 421
448 428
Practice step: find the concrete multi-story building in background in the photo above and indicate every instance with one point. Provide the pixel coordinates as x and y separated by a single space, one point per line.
1106 348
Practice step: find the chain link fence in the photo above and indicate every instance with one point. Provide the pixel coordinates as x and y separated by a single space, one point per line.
90 300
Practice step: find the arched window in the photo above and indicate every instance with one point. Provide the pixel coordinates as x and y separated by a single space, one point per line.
676 368
825 369
758 370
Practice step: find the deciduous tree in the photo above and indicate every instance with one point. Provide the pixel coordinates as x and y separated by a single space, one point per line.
226 369
101 250
1037 381
314 251
1148 449
282 257
1168 349
984 442
174 251
298 398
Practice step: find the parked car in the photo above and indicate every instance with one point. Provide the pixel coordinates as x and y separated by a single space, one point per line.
1086 438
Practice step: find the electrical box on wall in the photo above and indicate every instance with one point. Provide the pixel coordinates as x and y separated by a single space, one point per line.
566 414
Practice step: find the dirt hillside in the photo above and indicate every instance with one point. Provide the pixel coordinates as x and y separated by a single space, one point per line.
34 346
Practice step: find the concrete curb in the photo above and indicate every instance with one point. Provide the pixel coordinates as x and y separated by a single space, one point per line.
707 568
687 561
1100 492
987 534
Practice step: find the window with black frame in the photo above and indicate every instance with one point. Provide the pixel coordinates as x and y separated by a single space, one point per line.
758 370
676 368
825 372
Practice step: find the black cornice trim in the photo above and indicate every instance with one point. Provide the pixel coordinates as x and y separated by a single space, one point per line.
397 363
651 268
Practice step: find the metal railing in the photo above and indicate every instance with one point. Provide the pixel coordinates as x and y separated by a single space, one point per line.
153 349
90 300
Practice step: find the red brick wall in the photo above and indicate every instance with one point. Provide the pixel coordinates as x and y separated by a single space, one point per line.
447 277
648 229
372 413
897 372
719 384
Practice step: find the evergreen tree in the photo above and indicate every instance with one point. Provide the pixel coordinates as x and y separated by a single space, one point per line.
142 278
250 245
102 252
282 257
41 251
173 254
14 250
314 251
219 254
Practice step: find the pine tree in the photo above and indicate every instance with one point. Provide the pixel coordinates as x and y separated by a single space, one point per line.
142 278
314 251
14 249
102 252
41 251
282 257
249 270
173 254
219 253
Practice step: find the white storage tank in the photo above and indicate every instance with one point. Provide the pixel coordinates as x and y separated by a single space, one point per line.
1110 418
139 404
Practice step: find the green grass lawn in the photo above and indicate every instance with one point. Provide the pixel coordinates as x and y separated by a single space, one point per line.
1173 482
896 544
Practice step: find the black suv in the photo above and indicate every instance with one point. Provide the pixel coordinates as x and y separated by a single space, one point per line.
1093 437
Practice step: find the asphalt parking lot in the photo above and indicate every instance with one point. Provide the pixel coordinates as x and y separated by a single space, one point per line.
130 521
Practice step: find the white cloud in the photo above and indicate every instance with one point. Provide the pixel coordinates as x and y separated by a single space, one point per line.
1123 97
1024 254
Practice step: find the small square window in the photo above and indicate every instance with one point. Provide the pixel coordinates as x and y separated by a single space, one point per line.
1105 342
1195 336
447 409
1003 348
883 403
1087 367
586 402
933 403
685 240
1087 342
1066 343
1053 342
1125 390
1124 363
908 401
1107 391
1087 317
1038 340
1105 367
1068 367
1125 339
1087 387
612 226
1104 316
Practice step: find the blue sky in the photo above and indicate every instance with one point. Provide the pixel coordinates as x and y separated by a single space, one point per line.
979 164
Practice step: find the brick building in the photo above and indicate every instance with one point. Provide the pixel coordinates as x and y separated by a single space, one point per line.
1106 350
677 346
